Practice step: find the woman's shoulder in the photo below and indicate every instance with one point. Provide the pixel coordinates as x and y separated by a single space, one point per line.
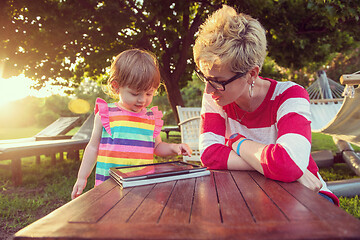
288 89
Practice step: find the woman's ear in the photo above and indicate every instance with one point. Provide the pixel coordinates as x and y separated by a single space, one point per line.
254 73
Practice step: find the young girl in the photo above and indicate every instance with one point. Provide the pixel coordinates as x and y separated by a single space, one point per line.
125 132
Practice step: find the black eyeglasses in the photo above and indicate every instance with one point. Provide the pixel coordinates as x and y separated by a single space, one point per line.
218 85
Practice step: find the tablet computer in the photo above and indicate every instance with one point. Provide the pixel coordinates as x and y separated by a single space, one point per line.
147 171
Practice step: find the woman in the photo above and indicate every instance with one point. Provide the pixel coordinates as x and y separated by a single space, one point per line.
249 122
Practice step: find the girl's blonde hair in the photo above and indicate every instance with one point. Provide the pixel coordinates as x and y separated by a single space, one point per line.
230 39
136 69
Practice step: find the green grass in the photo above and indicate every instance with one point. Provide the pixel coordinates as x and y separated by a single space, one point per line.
321 141
46 187
351 205
338 171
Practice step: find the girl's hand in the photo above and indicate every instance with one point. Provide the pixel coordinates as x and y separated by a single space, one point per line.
309 180
183 149
78 188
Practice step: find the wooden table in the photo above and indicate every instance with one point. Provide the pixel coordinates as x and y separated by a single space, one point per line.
232 205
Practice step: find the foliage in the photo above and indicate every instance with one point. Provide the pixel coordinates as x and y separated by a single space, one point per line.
68 41
90 90
301 33
344 63
23 205
192 93
81 43
338 171
21 113
351 205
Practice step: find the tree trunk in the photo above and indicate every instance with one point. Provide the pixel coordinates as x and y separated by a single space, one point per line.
173 94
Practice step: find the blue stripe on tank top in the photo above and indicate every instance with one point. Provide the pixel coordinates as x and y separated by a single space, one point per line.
109 165
101 177
127 142
135 130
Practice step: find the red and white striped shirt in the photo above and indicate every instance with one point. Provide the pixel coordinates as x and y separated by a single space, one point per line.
281 122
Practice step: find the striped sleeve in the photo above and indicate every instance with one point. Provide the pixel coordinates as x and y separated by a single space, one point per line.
214 153
288 158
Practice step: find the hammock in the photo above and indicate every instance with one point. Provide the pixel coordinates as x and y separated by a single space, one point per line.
339 118
332 114
346 123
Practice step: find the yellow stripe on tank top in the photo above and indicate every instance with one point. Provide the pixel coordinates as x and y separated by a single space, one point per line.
125 161
132 124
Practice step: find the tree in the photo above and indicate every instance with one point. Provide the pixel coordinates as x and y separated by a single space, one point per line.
74 39
303 33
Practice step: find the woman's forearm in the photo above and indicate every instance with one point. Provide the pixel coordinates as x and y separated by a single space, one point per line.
235 162
250 154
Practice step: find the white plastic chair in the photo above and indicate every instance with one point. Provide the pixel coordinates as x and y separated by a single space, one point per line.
190 130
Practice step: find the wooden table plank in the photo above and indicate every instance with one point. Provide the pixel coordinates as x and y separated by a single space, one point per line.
94 212
178 208
339 223
155 201
291 207
231 200
260 205
125 208
205 208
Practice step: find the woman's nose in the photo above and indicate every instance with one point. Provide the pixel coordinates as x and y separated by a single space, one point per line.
208 88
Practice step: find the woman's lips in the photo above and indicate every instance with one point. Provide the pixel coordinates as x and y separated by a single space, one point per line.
215 97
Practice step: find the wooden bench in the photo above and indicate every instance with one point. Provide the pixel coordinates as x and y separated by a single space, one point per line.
16 150
224 205
169 129
55 130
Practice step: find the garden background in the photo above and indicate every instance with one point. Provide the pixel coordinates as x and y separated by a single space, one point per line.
70 44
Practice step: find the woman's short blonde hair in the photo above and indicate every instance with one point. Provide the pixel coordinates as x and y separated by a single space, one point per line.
135 68
230 39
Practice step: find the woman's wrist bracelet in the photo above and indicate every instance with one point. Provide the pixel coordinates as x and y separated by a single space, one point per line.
238 146
233 138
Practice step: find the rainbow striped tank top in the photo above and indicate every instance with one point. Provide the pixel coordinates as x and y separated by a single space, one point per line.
128 138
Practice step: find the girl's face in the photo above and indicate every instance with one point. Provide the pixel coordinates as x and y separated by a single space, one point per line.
133 100
233 91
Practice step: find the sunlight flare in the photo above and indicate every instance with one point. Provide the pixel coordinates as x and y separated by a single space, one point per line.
14 88
79 106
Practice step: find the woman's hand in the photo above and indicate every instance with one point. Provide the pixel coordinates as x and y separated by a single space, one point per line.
309 180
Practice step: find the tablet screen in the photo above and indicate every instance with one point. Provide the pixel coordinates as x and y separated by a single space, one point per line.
155 169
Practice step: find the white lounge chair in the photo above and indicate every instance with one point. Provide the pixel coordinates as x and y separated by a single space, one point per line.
190 130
